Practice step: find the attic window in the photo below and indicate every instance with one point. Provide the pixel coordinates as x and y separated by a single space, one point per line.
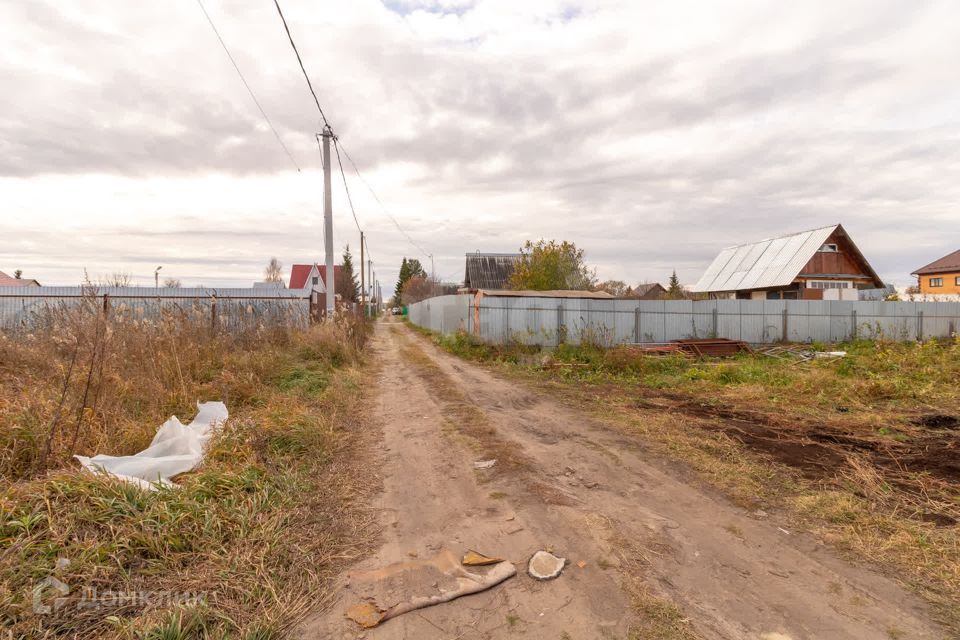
828 248
316 280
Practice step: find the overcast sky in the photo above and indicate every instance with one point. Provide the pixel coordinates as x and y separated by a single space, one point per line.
652 134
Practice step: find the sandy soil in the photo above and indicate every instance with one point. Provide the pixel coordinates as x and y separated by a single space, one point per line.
732 573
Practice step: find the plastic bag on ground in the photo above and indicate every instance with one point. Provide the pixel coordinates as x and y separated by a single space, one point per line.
176 448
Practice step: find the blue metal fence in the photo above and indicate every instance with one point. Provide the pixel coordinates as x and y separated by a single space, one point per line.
546 321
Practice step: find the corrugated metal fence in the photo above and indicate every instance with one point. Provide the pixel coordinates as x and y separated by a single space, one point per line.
22 307
547 321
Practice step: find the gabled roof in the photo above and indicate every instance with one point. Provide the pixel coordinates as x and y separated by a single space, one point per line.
646 288
300 274
949 263
489 270
774 262
8 281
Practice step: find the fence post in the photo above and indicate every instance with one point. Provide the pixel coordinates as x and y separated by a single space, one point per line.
106 305
506 321
213 315
560 327
636 324
853 323
919 326
716 323
784 327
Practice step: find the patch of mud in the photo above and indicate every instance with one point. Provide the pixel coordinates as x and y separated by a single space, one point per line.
938 421
819 450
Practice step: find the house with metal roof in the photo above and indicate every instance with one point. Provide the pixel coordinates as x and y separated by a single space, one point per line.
940 277
489 270
819 264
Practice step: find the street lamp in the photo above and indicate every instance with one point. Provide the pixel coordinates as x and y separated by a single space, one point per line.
156 277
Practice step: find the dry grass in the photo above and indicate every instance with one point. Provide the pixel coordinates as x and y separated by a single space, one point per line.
84 378
852 450
257 532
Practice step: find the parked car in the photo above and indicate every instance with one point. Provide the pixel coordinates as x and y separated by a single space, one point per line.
397 311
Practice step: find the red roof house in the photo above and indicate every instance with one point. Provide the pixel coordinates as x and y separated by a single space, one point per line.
306 276
8 281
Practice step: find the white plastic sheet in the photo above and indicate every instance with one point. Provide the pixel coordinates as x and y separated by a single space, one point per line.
176 448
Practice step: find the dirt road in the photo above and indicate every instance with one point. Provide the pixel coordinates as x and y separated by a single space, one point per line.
660 556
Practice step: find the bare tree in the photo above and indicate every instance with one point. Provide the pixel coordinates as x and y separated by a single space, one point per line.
172 283
616 288
274 271
118 279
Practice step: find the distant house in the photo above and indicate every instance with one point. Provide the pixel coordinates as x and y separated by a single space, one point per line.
940 276
489 270
9 281
312 276
820 264
649 291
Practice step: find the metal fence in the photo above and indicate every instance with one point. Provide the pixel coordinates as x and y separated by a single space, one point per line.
549 321
225 309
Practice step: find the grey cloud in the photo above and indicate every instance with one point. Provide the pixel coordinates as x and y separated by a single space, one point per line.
450 109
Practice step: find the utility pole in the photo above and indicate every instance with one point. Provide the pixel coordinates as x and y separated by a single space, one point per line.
363 291
433 278
370 279
330 284
156 277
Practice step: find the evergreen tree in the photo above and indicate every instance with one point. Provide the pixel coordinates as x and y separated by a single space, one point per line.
402 280
347 286
674 289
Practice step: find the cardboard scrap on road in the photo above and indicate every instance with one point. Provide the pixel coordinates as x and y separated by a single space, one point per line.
407 586
473 559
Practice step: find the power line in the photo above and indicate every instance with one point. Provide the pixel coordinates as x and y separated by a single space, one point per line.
389 215
247 85
326 122
336 147
300 60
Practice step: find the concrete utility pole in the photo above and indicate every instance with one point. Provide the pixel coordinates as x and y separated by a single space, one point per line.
363 290
330 284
